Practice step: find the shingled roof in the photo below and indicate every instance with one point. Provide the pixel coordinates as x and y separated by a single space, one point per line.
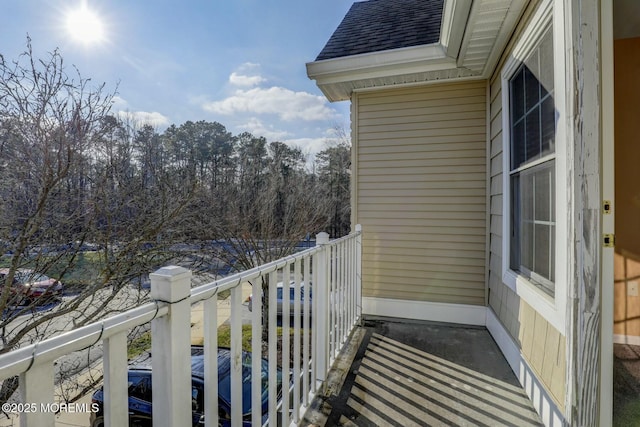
378 25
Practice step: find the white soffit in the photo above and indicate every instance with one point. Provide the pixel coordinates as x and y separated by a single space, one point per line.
490 25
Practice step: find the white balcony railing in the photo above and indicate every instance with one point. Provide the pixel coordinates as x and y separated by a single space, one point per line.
318 328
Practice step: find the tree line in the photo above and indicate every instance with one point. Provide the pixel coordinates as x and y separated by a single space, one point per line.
96 200
75 175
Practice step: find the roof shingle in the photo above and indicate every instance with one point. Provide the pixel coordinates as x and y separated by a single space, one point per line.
378 25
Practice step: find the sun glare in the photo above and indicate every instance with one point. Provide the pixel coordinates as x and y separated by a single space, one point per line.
84 26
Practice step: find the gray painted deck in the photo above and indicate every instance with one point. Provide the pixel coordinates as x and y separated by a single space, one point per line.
405 373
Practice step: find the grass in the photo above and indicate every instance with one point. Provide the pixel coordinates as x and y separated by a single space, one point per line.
80 271
139 345
143 343
224 336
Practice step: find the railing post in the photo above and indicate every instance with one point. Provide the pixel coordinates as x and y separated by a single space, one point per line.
171 348
321 319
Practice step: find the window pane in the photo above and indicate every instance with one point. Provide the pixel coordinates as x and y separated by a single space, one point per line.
517 96
527 196
542 253
546 63
543 195
517 148
532 101
531 83
515 224
532 135
527 257
548 126
552 273
532 89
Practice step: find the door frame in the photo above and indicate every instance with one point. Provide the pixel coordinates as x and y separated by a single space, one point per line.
607 141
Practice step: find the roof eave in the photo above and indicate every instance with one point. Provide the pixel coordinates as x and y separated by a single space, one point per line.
338 76
388 64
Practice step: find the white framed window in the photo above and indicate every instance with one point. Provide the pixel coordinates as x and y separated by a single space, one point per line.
532 130
535 189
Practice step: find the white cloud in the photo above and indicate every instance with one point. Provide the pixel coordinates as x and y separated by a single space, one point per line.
121 108
152 118
257 128
285 103
310 146
244 80
118 103
247 75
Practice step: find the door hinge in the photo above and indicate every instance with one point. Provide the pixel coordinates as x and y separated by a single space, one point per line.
609 240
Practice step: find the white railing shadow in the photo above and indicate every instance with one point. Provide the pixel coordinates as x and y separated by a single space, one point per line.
314 325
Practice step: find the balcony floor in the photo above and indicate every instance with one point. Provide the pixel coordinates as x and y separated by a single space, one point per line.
409 373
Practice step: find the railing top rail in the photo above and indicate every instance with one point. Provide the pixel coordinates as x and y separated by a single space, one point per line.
21 360
208 290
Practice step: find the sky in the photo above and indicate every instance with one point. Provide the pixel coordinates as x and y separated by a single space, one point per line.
237 62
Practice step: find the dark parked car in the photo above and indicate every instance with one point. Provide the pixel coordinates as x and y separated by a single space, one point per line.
29 286
280 296
140 399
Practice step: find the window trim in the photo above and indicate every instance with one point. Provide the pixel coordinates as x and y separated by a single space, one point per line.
552 308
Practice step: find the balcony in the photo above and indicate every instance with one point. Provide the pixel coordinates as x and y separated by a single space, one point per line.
342 368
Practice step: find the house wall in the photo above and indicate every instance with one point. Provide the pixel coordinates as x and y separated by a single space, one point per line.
540 344
627 190
420 194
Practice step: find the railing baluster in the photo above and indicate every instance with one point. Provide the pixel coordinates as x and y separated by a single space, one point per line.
334 303
305 329
116 404
349 284
296 340
273 349
315 322
286 318
236 355
211 361
358 284
36 387
352 297
256 354
341 299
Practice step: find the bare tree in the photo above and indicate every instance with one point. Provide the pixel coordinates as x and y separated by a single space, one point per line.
68 182
334 175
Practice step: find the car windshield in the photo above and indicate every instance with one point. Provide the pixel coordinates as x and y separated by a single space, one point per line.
224 378
291 293
24 277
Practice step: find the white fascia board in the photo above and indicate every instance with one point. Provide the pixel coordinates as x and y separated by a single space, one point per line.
395 62
454 22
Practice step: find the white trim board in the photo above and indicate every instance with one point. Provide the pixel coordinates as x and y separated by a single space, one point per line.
543 403
626 339
422 310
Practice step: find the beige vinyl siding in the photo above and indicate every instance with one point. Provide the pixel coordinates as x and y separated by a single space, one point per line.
421 192
543 346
